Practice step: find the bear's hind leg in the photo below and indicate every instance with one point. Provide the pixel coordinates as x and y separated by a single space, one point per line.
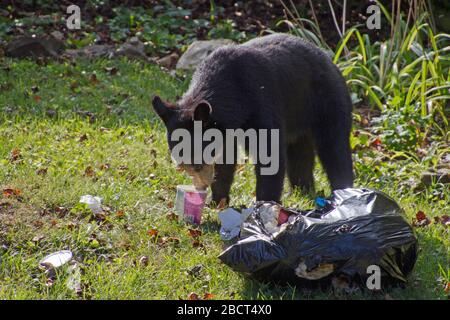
333 149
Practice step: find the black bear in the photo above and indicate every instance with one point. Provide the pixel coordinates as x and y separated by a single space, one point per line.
280 82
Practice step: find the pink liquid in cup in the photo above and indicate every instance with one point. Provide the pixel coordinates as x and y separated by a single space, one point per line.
190 203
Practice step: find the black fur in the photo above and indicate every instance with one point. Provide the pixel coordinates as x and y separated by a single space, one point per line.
277 81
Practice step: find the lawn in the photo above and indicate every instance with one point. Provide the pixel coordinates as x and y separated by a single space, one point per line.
71 129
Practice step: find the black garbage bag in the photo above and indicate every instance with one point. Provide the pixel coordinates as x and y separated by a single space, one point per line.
355 229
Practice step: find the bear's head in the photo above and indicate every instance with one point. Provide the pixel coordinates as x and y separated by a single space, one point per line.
178 119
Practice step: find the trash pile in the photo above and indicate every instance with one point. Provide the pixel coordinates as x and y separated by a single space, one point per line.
348 234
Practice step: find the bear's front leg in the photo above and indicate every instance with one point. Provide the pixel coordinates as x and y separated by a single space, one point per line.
269 186
223 178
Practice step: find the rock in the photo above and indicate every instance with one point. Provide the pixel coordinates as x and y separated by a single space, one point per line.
58 35
34 47
440 176
94 51
198 51
132 49
169 61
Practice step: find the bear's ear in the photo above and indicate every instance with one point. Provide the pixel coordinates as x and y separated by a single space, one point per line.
162 109
202 111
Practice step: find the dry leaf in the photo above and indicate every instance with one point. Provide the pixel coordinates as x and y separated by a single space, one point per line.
208 296
444 220
165 240
222 204
172 216
10 192
111 70
193 296
83 137
120 214
421 220
41 171
93 79
143 261
15 155
153 233
104 166
197 244
194 233
89 172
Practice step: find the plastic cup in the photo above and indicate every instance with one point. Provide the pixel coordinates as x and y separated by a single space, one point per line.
189 203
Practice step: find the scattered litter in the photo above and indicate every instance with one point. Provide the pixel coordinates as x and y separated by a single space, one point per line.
231 221
94 203
342 236
56 259
74 279
189 203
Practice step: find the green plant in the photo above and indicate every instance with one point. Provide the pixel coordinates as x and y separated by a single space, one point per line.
408 72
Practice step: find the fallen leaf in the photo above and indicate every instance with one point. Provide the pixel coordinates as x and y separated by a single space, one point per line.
143 261
194 233
10 192
37 238
89 172
120 214
153 233
376 143
165 240
93 79
172 216
41 171
71 226
111 70
208 296
222 204
61 211
104 166
100 216
38 224
197 244
193 296
447 288
420 215
37 98
421 220
444 220
83 137
15 155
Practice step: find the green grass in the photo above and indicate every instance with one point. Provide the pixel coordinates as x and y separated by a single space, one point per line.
123 132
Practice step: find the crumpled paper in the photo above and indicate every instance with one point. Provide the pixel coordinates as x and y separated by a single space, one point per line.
231 221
